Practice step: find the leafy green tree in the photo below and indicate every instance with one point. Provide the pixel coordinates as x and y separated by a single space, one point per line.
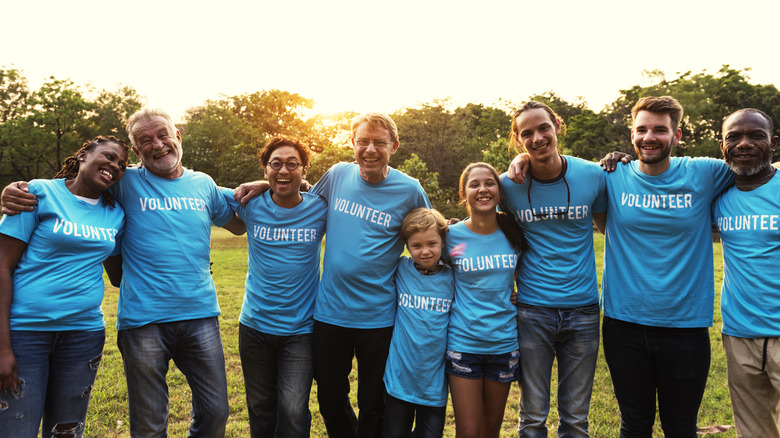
706 98
220 143
14 101
499 154
111 111
322 161
53 127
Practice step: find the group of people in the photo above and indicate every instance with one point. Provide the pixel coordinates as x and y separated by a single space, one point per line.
446 316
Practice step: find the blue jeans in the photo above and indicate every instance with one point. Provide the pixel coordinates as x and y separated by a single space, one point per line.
400 416
670 362
57 370
278 372
334 348
572 337
196 348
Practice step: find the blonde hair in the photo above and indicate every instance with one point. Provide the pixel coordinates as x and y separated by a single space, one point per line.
423 219
376 120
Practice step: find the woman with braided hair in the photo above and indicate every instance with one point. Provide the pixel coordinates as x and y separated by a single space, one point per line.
51 286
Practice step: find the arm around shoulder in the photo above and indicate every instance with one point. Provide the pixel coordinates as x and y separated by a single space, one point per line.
16 198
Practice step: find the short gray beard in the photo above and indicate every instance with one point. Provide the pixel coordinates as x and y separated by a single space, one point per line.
748 172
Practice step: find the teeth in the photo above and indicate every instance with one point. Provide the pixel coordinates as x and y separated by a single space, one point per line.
107 173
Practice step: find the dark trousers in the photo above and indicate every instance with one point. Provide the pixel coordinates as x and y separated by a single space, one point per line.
400 415
645 361
334 348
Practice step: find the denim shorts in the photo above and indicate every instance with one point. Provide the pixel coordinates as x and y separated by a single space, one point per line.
501 368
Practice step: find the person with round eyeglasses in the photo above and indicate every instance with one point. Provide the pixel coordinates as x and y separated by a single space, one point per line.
557 288
284 230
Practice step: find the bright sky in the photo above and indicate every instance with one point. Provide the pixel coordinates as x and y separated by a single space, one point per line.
382 56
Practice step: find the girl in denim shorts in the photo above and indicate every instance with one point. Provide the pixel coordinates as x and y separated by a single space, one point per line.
482 349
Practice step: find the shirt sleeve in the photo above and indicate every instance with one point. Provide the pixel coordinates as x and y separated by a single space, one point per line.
221 213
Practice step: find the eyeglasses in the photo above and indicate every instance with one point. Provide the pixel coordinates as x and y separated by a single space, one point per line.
290 165
548 213
379 144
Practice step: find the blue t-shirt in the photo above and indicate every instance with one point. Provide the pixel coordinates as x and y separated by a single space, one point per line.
415 364
284 262
482 319
658 245
749 226
58 283
559 267
362 245
165 251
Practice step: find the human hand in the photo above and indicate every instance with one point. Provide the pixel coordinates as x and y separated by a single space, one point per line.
519 167
245 192
609 162
16 198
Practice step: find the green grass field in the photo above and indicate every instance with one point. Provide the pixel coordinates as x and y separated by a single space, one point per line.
108 411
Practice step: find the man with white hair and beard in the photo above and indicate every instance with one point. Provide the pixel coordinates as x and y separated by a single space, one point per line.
168 305
749 227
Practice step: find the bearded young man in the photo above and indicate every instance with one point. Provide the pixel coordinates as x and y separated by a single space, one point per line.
658 286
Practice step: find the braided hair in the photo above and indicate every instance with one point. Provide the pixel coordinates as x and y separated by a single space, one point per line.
70 167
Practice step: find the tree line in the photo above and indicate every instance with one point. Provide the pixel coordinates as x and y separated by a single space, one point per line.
40 128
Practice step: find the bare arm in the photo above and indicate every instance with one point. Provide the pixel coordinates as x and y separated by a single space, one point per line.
235 225
16 198
600 221
113 266
247 191
519 167
11 251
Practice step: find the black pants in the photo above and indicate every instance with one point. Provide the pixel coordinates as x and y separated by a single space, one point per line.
334 348
646 361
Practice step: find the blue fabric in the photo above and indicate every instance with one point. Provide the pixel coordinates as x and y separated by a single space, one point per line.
58 370
284 262
749 229
658 245
570 336
559 268
415 364
195 346
166 255
58 283
482 319
364 221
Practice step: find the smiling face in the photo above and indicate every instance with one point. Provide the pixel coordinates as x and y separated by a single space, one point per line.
747 143
100 168
537 133
481 191
372 159
425 247
158 145
653 138
285 183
